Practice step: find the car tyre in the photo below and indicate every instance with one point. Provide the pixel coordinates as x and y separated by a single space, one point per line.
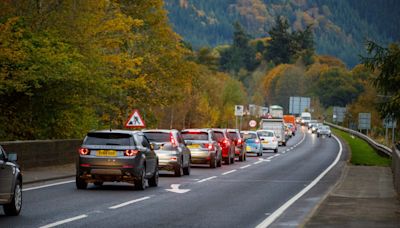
140 183
14 207
80 183
318 135
153 181
233 158
178 171
276 150
213 162
186 170
228 161
219 163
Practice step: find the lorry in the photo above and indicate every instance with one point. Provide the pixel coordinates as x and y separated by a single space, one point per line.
290 119
276 125
276 111
305 118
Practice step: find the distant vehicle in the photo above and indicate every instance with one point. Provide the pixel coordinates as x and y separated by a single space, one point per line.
173 154
117 155
277 126
314 127
311 123
204 147
228 147
298 120
276 111
292 128
10 184
305 118
240 150
324 130
268 140
290 119
253 142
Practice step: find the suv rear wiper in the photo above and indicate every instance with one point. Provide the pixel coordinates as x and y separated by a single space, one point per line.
113 144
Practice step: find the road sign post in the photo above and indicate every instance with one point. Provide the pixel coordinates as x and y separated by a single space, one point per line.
239 110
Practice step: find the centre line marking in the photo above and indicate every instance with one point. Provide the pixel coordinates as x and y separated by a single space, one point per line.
206 179
258 162
232 171
267 160
270 219
129 202
243 167
64 221
287 150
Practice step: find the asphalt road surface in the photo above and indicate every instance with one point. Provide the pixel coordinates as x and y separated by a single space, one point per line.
256 192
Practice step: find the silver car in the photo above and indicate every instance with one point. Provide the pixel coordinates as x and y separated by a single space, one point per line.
173 154
324 130
204 147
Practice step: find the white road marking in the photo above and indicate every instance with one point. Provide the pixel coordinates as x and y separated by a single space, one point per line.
206 179
283 152
267 160
287 150
48 185
232 171
175 189
246 166
277 155
291 148
257 162
129 202
270 219
64 221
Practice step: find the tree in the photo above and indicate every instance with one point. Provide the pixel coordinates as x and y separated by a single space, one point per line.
387 62
281 47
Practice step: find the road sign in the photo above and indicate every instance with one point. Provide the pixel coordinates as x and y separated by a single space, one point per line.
253 123
135 120
239 110
339 112
297 105
389 122
364 121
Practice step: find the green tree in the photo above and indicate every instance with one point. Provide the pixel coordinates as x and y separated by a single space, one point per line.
387 62
281 46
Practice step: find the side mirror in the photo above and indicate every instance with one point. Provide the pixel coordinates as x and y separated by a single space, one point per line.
12 157
154 146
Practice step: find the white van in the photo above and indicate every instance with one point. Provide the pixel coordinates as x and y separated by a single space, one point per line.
305 118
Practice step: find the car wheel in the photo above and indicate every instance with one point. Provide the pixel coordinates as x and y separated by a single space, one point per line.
140 183
317 135
186 170
14 207
178 171
245 156
241 157
233 158
276 150
219 163
330 136
228 161
213 162
98 183
80 183
153 181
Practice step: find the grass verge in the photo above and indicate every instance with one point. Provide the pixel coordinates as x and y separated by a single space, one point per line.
361 152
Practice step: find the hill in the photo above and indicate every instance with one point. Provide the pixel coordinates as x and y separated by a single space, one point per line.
340 27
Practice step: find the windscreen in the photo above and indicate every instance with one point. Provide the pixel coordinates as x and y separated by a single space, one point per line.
195 136
306 118
219 135
233 135
272 125
265 134
158 136
249 136
109 138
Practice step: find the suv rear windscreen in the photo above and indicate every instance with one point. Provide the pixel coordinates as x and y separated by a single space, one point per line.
195 136
232 135
219 135
249 136
158 136
109 138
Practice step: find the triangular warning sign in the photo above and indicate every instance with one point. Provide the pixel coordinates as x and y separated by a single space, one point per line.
135 120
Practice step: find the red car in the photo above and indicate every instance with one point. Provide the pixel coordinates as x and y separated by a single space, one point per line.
239 143
228 147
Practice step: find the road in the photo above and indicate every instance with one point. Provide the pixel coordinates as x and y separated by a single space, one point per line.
244 194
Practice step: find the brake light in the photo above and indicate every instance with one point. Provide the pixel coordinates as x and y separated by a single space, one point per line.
83 151
209 146
226 142
171 138
130 153
239 141
257 141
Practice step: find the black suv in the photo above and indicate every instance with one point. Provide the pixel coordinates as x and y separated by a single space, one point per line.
117 155
10 184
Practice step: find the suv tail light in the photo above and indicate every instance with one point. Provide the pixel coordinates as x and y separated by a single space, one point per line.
84 151
130 153
172 140
257 141
226 142
209 146
239 141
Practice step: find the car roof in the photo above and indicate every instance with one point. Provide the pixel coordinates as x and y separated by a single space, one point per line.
248 132
266 130
160 130
197 129
117 131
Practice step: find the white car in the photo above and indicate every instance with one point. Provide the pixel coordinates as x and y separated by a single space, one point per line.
268 140
324 130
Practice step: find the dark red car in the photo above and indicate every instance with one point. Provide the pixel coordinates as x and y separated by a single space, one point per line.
228 147
234 136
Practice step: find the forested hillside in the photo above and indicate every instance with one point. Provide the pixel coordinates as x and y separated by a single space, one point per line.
340 27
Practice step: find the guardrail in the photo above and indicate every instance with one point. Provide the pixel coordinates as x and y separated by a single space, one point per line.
379 147
396 168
